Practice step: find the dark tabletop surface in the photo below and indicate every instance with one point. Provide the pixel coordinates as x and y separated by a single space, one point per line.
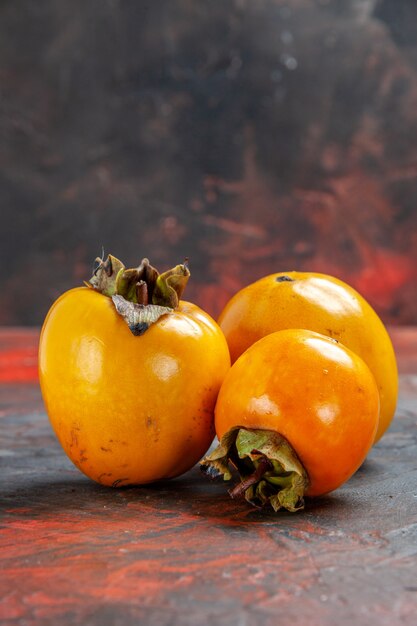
182 553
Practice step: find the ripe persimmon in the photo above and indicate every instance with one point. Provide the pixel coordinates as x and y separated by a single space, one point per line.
130 374
320 303
296 415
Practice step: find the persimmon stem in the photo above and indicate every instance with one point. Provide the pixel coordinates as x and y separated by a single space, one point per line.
239 490
142 292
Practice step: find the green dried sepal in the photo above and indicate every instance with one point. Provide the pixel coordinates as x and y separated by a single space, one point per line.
106 275
170 286
216 464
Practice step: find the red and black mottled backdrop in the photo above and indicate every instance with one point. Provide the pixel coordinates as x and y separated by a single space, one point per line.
250 135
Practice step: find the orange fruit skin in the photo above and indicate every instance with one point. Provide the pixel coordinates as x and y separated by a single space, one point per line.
126 409
325 305
313 391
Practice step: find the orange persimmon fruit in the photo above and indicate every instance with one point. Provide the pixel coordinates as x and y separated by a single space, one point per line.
296 415
130 374
320 303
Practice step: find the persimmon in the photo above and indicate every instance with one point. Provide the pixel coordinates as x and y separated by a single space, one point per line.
296 415
320 303
130 374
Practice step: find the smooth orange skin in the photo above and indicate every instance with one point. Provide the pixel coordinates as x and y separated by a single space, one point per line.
311 390
130 410
325 305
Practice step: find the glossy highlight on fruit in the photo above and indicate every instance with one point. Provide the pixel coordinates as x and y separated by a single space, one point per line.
296 415
131 403
322 304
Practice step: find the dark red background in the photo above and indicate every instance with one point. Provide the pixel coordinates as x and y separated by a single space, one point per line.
251 135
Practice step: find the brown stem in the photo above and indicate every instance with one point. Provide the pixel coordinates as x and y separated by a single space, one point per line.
239 490
142 293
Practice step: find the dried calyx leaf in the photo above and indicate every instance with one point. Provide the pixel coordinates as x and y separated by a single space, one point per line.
106 274
270 472
170 285
139 316
141 295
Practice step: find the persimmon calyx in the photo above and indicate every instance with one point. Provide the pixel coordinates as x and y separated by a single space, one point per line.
141 295
270 472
